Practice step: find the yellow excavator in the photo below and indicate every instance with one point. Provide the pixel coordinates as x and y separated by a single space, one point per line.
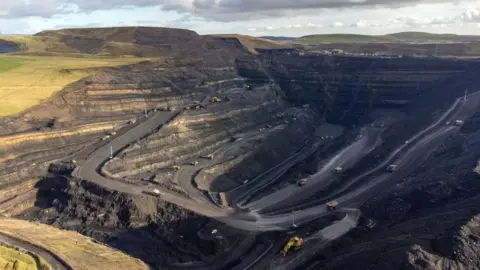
295 242
176 167
216 100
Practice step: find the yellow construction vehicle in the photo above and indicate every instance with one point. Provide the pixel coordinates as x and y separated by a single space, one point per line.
246 86
216 100
73 161
176 167
295 242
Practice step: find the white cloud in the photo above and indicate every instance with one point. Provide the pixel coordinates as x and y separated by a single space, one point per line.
471 15
337 24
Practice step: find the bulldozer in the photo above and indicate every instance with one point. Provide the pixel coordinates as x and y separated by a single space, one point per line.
295 242
176 167
216 100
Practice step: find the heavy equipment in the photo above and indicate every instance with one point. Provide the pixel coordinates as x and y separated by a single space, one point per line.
302 182
209 156
332 205
73 161
338 169
392 168
458 122
194 163
176 167
216 100
295 242
246 86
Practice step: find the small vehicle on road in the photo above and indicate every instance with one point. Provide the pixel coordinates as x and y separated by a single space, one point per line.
392 168
332 205
302 182
106 137
338 169
194 163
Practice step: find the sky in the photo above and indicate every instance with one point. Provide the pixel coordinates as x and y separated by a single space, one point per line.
291 18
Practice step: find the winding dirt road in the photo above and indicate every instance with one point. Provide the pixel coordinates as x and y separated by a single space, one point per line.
54 261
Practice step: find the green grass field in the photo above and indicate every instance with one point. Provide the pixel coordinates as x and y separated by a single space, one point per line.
11 258
8 63
27 80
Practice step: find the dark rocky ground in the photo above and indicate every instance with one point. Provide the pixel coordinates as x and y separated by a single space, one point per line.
428 221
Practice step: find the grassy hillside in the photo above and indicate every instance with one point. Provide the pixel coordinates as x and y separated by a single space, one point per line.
11 258
252 43
77 250
27 80
340 38
404 37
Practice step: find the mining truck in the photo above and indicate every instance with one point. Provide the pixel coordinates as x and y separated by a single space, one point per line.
295 242
216 100
338 169
458 122
176 167
392 168
302 182
332 205
194 163
210 156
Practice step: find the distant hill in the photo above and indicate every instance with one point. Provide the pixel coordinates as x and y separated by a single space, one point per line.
253 43
277 38
403 37
133 41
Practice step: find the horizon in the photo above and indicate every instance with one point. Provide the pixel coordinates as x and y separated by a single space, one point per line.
254 18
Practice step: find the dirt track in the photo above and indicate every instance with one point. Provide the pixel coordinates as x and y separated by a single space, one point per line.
55 262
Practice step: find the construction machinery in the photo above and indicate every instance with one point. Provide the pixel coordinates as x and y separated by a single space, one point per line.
332 205
295 242
338 169
216 100
209 156
106 137
73 161
176 167
458 122
194 163
302 182
392 168
246 86
133 121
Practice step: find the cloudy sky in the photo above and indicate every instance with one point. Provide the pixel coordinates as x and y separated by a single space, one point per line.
252 17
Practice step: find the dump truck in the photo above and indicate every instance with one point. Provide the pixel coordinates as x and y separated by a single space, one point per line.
332 205
176 167
106 137
194 163
302 182
133 121
338 169
209 156
392 168
295 242
216 100
246 86
458 122
73 161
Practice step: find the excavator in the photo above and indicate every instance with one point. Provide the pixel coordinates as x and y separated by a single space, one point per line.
216 100
295 242
176 167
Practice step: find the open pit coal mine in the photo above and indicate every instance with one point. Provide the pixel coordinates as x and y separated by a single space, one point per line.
190 163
